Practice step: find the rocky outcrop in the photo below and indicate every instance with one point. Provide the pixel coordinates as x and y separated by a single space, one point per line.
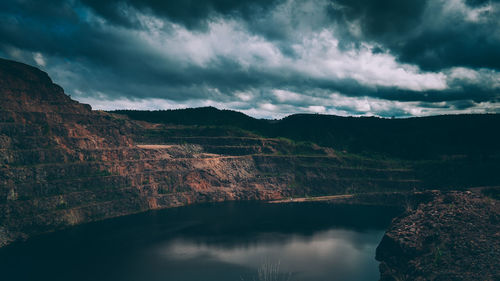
455 236
63 164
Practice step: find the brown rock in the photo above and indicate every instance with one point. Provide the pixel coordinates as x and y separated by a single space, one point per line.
461 247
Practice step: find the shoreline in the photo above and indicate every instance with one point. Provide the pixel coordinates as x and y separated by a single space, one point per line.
312 199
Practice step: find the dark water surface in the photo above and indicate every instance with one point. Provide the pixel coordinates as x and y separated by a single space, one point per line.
210 242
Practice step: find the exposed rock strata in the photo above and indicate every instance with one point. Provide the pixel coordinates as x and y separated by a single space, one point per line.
63 164
455 236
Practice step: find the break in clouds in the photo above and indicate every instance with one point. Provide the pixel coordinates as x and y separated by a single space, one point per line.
265 58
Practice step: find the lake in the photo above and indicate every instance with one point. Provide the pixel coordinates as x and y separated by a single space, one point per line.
221 242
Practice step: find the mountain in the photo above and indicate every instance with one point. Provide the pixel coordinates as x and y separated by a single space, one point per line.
63 164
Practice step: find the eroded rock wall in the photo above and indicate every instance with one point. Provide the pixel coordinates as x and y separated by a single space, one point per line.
63 164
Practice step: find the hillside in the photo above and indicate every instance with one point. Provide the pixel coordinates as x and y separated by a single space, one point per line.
451 151
411 138
62 164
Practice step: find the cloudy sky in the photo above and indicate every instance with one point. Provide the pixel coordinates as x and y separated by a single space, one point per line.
263 57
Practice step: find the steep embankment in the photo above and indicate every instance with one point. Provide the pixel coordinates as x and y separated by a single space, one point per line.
454 236
63 164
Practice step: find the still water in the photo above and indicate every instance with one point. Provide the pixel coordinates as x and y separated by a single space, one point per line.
210 242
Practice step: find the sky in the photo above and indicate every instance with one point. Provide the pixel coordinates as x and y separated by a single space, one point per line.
266 58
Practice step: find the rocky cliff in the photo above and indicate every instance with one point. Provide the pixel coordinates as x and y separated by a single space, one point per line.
63 164
454 236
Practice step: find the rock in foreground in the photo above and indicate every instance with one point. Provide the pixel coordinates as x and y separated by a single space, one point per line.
454 237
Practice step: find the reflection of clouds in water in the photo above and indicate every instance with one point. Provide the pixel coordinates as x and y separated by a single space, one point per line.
334 250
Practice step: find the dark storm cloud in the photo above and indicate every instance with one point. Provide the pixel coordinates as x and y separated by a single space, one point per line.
432 34
190 13
381 18
475 3
386 57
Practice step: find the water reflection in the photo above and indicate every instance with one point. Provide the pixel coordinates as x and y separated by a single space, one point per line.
327 255
220 242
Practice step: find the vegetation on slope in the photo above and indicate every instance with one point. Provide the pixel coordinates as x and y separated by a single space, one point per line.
411 138
452 151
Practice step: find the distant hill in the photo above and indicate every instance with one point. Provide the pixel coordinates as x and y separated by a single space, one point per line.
412 138
208 116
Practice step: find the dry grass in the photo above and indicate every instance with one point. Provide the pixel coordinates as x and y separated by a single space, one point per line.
269 271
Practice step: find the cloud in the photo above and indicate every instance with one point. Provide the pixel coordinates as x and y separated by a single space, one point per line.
449 33
39 59
266 58
193 14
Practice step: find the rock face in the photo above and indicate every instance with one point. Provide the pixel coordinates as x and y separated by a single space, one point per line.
455 236
63 164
